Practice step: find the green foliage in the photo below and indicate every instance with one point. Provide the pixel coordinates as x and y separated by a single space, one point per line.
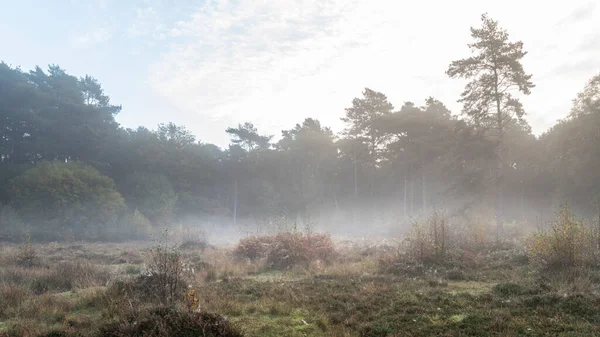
165 273
568 244
27 255
285 250
138 224
152 194
494 68
247 136
11 223
429 242
170 322
66 195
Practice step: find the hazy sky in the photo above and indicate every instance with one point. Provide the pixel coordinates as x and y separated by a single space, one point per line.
212 64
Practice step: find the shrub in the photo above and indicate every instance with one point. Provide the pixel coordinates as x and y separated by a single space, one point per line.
165 273
152 194
290 249
193 238
169 322
428 243
507 289
69 195
285 250
568 243
27 256
253 247
139 225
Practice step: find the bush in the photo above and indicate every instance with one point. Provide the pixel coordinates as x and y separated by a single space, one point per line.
290 249
285 250
27 256
152 194
429 243
139 225
165 274
253 247
69 195
170 322
507 289
193 238
568 243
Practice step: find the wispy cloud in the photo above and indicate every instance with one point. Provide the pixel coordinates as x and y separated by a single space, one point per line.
275 62
579 14
92 37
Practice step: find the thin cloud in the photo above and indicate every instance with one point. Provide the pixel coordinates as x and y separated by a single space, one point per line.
581 13
91 38
584 67
274 63
590 44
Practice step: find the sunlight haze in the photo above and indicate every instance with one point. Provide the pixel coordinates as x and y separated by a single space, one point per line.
211 64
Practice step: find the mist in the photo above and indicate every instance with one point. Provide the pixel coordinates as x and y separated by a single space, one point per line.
413 219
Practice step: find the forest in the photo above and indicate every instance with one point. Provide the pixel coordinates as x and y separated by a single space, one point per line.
68 168
414 220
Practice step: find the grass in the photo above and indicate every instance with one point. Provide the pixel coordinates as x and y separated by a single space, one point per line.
85 289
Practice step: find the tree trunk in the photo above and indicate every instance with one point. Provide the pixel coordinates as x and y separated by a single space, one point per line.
598 224
523 202
355 204
412 197
405 199
499 202
235 202
424 190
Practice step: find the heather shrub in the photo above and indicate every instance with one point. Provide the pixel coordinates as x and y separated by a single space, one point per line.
290 249
170 322
284 250
253 247
27 256
428 242
193 238
569 243
165 276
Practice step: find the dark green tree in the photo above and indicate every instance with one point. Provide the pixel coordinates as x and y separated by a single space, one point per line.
66 196
494 71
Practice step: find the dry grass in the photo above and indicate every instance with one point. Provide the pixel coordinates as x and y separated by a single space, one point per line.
367 288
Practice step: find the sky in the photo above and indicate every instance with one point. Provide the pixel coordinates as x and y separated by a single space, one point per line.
213 64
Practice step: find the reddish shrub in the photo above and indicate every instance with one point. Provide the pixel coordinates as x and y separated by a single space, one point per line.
253 247
289 249
285 250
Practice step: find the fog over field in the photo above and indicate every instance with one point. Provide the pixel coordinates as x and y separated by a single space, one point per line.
242 170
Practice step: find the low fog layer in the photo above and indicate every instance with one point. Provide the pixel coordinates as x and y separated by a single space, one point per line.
68 170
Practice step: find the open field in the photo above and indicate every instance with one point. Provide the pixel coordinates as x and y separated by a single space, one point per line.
79 289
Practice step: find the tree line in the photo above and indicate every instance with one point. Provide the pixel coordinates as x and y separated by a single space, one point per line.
63 155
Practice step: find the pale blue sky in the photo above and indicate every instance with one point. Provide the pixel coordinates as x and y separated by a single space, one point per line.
211 64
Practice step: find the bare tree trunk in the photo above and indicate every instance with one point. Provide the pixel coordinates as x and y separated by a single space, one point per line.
499 202
522 202
424 190
404 200
355 194
235 202
598 228
412 197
